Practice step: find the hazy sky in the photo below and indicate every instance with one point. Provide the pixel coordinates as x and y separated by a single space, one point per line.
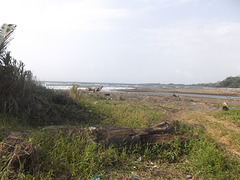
128 41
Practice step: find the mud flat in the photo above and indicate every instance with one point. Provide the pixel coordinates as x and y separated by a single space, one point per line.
231 92
198 99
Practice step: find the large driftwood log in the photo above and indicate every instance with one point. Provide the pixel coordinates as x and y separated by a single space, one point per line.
163 132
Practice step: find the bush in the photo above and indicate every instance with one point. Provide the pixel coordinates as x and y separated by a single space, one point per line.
231 82
16 83
24 97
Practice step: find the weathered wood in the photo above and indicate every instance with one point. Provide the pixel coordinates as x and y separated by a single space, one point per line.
164 132
96 89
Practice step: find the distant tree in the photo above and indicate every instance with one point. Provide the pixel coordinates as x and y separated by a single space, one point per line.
231 82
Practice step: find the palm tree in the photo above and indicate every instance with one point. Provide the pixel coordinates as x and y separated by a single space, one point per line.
5 37
11 82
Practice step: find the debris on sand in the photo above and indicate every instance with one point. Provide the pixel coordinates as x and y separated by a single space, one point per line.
225 106
18 156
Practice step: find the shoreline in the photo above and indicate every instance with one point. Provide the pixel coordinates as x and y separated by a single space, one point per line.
202 103
221 92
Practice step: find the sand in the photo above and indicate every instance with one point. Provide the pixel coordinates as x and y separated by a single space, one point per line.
182 101
207 91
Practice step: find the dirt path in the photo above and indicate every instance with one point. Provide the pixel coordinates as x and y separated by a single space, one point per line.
225 133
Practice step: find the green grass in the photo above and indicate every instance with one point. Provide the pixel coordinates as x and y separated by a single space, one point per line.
208 161
66 156
63 156
76 157
233 115
12 123
122 113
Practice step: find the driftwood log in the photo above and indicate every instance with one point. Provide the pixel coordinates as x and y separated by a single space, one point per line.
96 89
164 132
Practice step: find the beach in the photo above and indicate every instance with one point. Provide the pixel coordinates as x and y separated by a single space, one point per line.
209 98
234 92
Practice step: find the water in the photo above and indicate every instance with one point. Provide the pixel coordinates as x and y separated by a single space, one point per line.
113 87
108 87
194 95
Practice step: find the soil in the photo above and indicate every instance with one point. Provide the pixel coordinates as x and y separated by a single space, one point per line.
183 102
206 91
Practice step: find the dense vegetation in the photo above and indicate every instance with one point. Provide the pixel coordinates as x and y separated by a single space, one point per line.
25 98
229 82
16 84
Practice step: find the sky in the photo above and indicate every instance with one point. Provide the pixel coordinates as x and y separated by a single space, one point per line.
126 41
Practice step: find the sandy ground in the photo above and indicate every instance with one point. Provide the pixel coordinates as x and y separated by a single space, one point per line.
208 91
182 101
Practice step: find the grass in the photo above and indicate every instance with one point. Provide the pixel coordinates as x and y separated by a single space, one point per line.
13 123
121 113
10 123
208 161
68 156
223 131
64 156
233 115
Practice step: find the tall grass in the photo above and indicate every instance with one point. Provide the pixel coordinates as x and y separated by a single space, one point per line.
67 156
74 157
208 160
119 112
15 82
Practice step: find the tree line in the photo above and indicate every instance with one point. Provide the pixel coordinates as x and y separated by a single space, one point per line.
229 82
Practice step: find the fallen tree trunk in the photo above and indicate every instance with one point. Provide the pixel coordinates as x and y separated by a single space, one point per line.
164 132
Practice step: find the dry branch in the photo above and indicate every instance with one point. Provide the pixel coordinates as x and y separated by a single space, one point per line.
21 156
